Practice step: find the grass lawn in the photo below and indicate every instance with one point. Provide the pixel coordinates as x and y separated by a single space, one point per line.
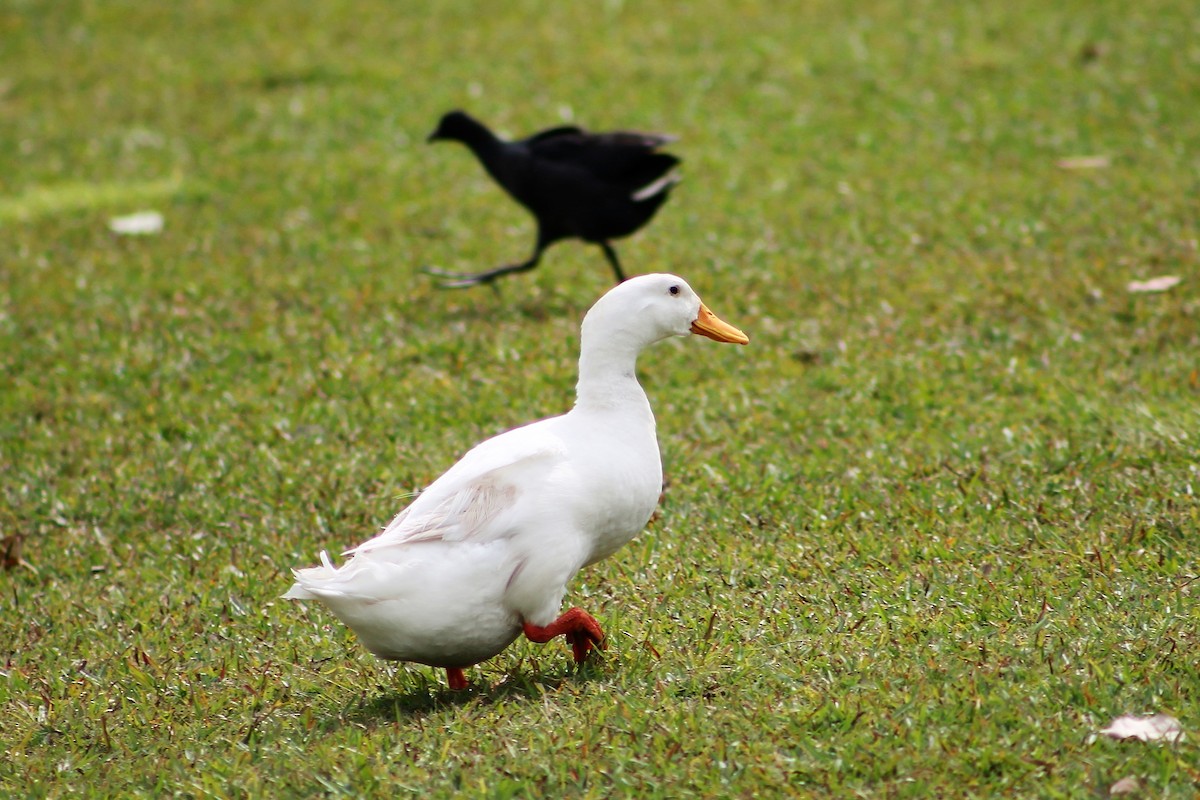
935 527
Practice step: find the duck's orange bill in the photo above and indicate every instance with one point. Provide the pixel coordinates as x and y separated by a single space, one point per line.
709 324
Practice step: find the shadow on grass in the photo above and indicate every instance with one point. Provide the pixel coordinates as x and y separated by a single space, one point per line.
399 707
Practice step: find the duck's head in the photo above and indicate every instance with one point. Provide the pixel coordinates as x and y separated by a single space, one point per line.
455 126
653 307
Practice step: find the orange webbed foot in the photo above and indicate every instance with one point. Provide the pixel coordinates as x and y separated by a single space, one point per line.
579 627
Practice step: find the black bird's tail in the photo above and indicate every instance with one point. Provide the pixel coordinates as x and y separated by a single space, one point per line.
657 188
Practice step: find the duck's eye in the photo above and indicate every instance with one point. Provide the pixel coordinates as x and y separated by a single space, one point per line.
674 290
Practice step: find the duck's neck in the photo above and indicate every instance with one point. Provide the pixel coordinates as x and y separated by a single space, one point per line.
608 378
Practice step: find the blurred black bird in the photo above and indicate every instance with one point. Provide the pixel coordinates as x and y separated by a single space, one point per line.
590 186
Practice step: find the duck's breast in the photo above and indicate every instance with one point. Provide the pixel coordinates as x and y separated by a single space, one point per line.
619 474
594 499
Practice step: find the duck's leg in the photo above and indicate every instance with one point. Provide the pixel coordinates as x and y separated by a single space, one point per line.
580 628
463 280
611 255
456 678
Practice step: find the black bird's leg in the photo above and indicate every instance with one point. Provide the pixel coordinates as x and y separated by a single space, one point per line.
611 255
463 280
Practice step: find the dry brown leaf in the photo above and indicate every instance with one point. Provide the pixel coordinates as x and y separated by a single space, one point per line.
10 551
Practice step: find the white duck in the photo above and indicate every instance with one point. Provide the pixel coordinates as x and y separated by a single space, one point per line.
485 553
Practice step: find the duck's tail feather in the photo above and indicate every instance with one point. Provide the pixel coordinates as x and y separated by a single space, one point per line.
309 580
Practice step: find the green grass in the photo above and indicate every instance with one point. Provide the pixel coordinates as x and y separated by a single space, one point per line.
931 530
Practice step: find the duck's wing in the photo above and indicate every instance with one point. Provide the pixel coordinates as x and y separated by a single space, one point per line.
479 497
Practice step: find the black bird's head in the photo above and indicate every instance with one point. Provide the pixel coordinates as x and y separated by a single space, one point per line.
454 126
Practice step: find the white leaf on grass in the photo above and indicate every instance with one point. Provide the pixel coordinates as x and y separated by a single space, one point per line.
1147 729
1128 785
1159 284
142 223
1083 162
